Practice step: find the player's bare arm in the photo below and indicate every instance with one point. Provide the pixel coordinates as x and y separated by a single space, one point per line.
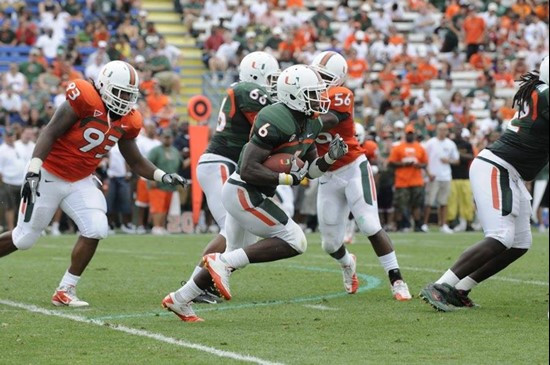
252 170
319 165
143 167
330 120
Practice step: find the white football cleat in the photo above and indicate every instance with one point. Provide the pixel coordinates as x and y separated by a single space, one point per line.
66 296
424 228
141 230
400 291
220 273
349 273
183 311
445 229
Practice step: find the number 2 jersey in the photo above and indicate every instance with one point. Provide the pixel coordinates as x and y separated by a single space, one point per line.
341 105
237 113
524 144
77 153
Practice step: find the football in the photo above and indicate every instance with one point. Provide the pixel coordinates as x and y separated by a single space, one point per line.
281 162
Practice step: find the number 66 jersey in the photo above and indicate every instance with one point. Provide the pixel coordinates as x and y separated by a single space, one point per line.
77 153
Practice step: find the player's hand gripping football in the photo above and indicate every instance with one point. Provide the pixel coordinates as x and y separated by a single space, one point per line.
174 179
29 192
298 173
337 148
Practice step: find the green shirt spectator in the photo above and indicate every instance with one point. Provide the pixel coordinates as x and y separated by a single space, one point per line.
167 158
159 63
31 69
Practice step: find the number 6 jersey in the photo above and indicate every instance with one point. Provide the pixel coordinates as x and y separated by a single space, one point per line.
78 152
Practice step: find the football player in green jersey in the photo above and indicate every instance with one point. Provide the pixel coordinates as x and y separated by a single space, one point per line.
258 72
498 176
290 126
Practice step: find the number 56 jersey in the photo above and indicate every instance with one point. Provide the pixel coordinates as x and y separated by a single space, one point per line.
77 153
341 105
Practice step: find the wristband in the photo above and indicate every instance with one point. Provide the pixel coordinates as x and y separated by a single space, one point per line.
328 160
35 165
285 179
158 174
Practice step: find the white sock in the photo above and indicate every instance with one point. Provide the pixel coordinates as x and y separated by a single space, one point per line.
187 293
195 272
69 279
448 278
466 284
389 262
236 259
345 260
55 225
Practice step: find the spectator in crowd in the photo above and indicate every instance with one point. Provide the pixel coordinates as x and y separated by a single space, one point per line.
15 79
157 102
269 20
224 57
214 9
12 175
240 19
10 101
32 68
25 144
408 158
163 71
357 67
92 69
424 22
168 159
442 152
474 31
48 43
27 31
461 204
259 8
119 193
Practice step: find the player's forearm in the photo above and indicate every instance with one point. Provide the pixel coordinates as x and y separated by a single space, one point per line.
41 151
257 174
144 168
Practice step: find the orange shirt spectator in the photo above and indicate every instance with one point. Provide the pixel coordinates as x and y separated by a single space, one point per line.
294 3
414 77
504 79
371 150
427 71
357 67
480 61
397 39
147 86
522 9
507 113
408 176
387 80
452 10
474 27
287 46
542 11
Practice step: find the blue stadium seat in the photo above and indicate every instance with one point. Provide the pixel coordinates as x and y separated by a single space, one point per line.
86 51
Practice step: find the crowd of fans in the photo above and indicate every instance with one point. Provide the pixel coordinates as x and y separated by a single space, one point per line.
402 57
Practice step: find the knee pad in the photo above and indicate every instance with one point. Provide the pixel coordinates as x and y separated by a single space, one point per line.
332 238
94 226
368 226
24 238
296 237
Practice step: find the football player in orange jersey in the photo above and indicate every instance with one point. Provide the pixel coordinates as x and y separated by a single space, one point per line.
83 130
349 185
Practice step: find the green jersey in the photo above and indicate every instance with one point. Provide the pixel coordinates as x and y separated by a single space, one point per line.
280 130
524 144
237 113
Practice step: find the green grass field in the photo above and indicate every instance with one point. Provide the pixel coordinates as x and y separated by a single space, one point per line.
292 311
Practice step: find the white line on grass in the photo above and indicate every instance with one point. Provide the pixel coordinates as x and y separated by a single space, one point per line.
141 333
320 307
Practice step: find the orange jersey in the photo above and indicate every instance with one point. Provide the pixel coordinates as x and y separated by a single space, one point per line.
408 176
371 150
77 153
341 101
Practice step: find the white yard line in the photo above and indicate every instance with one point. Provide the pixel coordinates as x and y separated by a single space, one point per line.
141 333
320 307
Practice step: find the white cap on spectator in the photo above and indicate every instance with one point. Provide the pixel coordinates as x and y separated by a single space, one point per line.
365 7
102 44
449 119
399 124
465 133
277 30
139 58
522 54
250 34
143 13
360 35
492 7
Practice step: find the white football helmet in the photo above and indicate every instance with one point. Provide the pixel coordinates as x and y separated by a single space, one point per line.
260 68
360 133
332 67
301 88
118 84
543 72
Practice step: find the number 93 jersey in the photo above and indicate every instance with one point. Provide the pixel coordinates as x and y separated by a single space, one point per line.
77 153
341 105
